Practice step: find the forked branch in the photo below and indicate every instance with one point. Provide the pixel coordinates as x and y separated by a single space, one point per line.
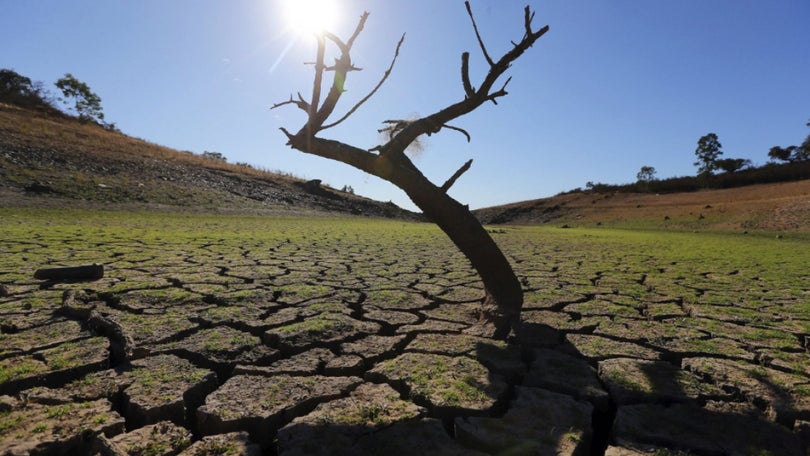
473 97
373 91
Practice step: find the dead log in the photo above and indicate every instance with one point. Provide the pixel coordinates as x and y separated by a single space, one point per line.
71 273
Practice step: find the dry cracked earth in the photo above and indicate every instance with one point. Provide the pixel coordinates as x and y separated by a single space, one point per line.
335 345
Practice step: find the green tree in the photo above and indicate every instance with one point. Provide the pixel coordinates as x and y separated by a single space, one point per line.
731 165
802 153
647 174
19 90
214 156
85 103
781 154
707 153
792 153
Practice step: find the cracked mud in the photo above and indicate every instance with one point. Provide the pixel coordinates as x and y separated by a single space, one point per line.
348 338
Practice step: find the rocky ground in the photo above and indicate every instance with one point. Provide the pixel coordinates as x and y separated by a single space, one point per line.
343 341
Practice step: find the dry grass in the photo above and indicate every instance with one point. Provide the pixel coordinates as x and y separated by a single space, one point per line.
772 207
40 130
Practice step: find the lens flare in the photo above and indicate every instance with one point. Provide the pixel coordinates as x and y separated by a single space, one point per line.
309 17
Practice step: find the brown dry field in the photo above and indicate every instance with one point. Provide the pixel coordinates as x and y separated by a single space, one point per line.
769 207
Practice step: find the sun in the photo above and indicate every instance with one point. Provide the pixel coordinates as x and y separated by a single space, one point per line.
308 17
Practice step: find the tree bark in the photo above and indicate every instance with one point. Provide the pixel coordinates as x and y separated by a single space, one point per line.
500 309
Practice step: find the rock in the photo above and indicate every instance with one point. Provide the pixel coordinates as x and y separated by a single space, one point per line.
446 384
261 405
715 429
333 427
537 422
633 380
561 373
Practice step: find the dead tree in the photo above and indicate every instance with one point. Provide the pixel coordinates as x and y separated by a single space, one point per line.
500 310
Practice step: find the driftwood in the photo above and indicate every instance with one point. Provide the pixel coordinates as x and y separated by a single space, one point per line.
71 273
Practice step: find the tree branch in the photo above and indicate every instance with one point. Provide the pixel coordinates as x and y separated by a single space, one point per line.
469 90
373 91
343 65
456 175
316 86
303 105
436 121
460 130
478 35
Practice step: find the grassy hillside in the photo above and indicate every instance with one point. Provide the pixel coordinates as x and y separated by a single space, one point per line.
53 161
771 207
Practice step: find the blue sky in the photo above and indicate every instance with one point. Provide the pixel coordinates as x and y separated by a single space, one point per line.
615 84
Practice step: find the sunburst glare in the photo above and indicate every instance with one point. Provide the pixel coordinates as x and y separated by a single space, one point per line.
309 17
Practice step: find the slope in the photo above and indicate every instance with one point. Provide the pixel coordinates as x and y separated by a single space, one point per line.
52 160
772 207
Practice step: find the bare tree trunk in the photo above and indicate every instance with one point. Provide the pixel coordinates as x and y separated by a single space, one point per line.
500 310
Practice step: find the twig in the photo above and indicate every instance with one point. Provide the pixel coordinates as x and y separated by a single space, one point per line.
469 90
478 35
373 91
456 175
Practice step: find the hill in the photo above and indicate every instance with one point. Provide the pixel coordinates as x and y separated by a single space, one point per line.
774 207
55 160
